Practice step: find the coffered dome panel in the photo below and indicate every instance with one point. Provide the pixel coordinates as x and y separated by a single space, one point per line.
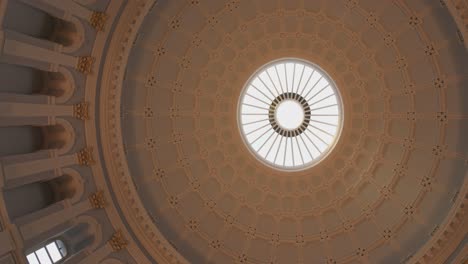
382 192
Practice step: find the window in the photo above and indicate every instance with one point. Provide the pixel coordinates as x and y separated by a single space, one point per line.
290 114
51 253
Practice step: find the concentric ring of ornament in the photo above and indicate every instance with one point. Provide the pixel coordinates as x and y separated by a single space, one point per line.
310 87
274 107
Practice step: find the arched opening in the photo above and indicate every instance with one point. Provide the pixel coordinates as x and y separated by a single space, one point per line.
38 23
20 79
58 84
79 237
17 79
19 140
28 199
67 33
59 136
71 242
42 25
23 200
64 187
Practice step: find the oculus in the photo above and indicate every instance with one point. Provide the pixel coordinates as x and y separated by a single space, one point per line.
290 114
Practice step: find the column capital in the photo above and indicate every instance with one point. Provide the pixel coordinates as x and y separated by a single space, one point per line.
98 200
85 64
81 111
117 241
85 156
98 20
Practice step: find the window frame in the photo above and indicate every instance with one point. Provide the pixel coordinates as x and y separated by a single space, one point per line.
59 245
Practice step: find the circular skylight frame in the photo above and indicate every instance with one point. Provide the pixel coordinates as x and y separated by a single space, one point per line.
260 97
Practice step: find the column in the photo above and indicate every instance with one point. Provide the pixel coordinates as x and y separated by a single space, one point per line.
27 54
31 165
34 110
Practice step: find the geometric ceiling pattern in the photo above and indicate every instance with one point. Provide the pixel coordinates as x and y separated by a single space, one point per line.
378 197
121 139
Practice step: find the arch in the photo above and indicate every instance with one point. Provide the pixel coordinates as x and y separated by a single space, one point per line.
69 185
16 140
32 197
66 31
27 199
84 236
39 24
24 80
93 229
60 136
60 84
20 79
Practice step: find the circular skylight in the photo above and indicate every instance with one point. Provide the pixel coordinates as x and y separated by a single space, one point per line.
290 114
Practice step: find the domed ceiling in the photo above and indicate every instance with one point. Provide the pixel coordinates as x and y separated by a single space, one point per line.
128 131
188 184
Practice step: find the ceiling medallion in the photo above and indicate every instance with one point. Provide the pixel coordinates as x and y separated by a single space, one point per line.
290 114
